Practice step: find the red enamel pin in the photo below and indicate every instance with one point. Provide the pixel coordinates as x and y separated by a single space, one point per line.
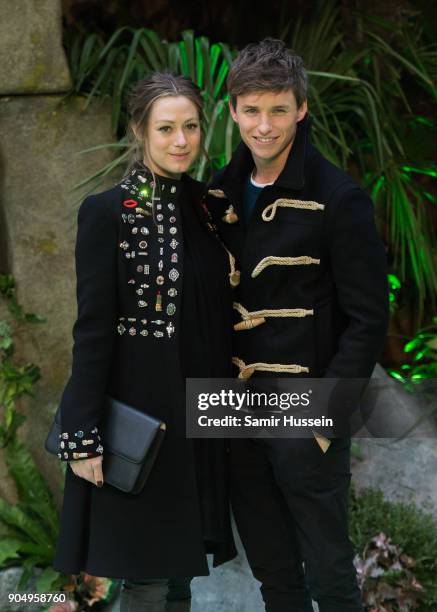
130 203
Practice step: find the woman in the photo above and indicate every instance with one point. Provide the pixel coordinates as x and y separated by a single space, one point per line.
154 307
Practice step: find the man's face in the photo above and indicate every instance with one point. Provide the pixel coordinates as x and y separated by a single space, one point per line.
267 122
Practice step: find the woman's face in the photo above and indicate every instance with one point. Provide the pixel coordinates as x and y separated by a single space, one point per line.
173 136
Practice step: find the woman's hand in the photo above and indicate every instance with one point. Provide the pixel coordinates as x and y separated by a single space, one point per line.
90 469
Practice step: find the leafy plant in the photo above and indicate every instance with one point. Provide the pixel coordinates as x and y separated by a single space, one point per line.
87 590
15 380
412 531
386 578
29 528
7 291
422 351
363 122
394 286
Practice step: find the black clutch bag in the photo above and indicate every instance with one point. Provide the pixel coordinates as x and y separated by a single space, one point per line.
131 442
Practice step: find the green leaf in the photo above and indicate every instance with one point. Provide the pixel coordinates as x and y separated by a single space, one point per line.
26 526
396 375
394 282
9 549
28 566
432 344
33 491
410 346
44 582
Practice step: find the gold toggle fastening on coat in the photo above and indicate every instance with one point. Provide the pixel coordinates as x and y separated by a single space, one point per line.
230 215
269 212
272 260
217 193
256 318
234 278
249 323
246 371
234 275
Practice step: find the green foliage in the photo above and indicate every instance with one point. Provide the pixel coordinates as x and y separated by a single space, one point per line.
110 69
394 286
363 118
422 351
15 380
29 529
386 577
408 527
7 291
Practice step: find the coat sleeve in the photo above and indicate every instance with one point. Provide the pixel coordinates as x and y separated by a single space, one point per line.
358 263
94 330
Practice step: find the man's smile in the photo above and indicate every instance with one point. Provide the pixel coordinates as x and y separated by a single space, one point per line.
266 139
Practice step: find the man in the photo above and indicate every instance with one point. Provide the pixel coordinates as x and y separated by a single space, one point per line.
312 301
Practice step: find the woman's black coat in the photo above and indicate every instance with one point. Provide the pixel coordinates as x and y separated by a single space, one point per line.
104 531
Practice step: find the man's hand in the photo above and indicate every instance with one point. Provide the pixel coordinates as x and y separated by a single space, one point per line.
323 442
90 469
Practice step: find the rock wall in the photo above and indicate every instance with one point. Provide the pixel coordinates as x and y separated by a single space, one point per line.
40 141
403 468
31 52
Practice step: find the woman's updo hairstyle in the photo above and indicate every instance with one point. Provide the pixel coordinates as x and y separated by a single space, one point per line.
140 100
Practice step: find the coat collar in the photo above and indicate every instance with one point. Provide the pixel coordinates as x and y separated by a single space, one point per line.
293 173
196 188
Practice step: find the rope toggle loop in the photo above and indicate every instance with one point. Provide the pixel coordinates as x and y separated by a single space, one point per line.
269 212
246 371
272 260
257 317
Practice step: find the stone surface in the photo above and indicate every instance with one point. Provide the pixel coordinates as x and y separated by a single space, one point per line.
405 470
40 138
31 52
229 588
9 579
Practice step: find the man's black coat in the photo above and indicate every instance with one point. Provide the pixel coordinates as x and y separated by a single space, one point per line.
310 248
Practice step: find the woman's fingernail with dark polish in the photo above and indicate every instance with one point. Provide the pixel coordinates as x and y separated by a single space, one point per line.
100 483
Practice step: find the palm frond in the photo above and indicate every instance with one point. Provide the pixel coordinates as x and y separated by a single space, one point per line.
33 492
355 92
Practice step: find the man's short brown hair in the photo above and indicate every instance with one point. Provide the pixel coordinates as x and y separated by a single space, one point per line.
267 66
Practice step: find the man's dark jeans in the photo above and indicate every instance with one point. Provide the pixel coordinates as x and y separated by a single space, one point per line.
290 505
